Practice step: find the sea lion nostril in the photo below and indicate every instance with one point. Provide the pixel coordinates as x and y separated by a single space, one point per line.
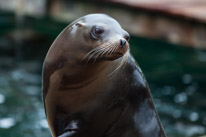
122 42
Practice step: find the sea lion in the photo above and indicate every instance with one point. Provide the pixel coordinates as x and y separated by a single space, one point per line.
92 86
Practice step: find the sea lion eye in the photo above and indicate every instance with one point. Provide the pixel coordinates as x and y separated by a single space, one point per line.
97 31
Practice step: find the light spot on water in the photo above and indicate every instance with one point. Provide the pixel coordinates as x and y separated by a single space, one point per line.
187 78
191 89
2 98
168 90
189 130
201 55
194 116
181 98
43 123
17 75
23 76
4 82
204 120
158 102
177 114
32 90
7 122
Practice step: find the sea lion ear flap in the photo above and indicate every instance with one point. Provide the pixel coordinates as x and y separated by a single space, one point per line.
80 24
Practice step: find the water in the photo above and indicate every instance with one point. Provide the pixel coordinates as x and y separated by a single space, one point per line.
176 76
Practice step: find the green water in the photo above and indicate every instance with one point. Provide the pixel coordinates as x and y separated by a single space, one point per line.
176 75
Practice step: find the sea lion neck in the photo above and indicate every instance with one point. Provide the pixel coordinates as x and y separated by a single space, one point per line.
79 75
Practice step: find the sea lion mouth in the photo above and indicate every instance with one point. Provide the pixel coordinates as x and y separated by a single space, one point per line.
112 56
118 53
115 54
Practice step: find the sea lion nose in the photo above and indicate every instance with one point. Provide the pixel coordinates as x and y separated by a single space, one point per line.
122 42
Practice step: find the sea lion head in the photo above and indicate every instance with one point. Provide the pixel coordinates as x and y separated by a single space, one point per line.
107 38
100 37
91 37
104 36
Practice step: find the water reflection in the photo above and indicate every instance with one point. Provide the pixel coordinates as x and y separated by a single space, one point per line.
7 122
191 88
2 99
201 55
187 78
43 123
177 113
180 98
168 90
21 110
189 130
193 116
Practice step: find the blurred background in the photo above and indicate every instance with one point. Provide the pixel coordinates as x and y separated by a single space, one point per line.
168 40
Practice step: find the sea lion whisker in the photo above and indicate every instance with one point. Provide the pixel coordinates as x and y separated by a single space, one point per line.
94 51
115 70
113 49
104 45
106 50
116 49
97 55
103 51
93 54
103 48
123 61
110 50
98 51
90 52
